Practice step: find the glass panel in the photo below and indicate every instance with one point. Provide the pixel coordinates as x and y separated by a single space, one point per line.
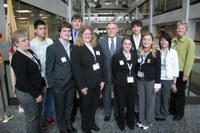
144 10
162 6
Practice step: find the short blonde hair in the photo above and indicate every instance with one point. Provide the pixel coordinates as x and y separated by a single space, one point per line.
18 34
183 23
79 39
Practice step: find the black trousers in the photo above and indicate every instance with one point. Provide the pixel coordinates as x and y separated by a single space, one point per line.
88 107
64 101
126 97
177 103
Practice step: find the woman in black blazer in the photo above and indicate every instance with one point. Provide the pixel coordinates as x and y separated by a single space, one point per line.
29 82
123 69
89 71
148 83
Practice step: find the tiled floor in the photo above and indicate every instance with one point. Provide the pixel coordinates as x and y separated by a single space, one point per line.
189 124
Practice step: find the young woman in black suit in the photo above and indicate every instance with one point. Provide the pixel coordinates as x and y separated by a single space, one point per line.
89 71
148 83
29 82
123 67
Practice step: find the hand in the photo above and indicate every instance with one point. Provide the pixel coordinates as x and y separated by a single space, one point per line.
102 85
174 89
45 89
84 91
185 78
39 99
155 90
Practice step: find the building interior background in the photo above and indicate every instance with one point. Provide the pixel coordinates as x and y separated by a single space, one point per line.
156 15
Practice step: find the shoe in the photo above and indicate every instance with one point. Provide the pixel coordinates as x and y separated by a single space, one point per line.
160 119
116 118
144 127
44 126
121 126
71 130
86 131
107 118
177 117
139 124
95 127
130 127
51 121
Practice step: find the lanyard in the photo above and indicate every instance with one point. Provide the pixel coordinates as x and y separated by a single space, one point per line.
164 60
129 67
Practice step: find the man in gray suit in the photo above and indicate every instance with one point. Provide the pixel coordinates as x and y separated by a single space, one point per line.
60 77
110 45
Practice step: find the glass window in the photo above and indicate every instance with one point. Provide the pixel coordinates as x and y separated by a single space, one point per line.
144 10
26 15
162 6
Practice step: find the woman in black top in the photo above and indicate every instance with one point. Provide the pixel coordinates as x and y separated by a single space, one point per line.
123 67
89 71
29 82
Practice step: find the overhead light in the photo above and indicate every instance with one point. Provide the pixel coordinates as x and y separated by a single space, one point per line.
23 11
5 5
44 17
22 18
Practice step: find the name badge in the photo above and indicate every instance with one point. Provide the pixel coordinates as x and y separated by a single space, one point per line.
149 61
130 79
97 53
96 66
140 74
139 60
63 59
121 62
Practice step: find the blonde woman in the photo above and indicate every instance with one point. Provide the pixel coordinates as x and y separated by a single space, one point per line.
148 82
89 71
185 48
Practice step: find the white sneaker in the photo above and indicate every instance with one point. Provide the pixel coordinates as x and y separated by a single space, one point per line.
144 127
139 124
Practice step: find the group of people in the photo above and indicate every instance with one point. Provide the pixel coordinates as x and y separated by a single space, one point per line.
49 75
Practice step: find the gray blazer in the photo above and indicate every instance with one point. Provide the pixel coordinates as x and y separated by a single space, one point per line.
58 65
107 55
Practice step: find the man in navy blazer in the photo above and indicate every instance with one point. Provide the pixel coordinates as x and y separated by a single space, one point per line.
60 77
106 44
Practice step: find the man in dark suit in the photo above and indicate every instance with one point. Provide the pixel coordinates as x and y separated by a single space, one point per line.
110 45
60 77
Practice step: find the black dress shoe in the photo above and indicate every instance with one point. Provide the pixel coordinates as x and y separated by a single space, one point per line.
95 128
71 130
121 126
107 118
86 131
177 117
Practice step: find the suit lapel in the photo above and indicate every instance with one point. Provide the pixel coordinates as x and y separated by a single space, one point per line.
62 49
118 44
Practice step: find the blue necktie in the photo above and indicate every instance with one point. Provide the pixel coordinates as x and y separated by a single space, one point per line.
112 47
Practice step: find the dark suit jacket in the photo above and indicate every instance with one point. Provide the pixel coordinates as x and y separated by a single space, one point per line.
28 75
152 67
58 65
120 71
105 47
82 64
133 42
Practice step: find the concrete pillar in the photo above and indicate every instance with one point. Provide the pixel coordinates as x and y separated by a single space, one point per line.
88 12
191 23
83 10
69 12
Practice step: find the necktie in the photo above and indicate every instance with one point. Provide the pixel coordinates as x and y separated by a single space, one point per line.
112 47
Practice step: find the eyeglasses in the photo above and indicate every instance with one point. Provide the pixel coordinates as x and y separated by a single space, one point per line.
24 40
